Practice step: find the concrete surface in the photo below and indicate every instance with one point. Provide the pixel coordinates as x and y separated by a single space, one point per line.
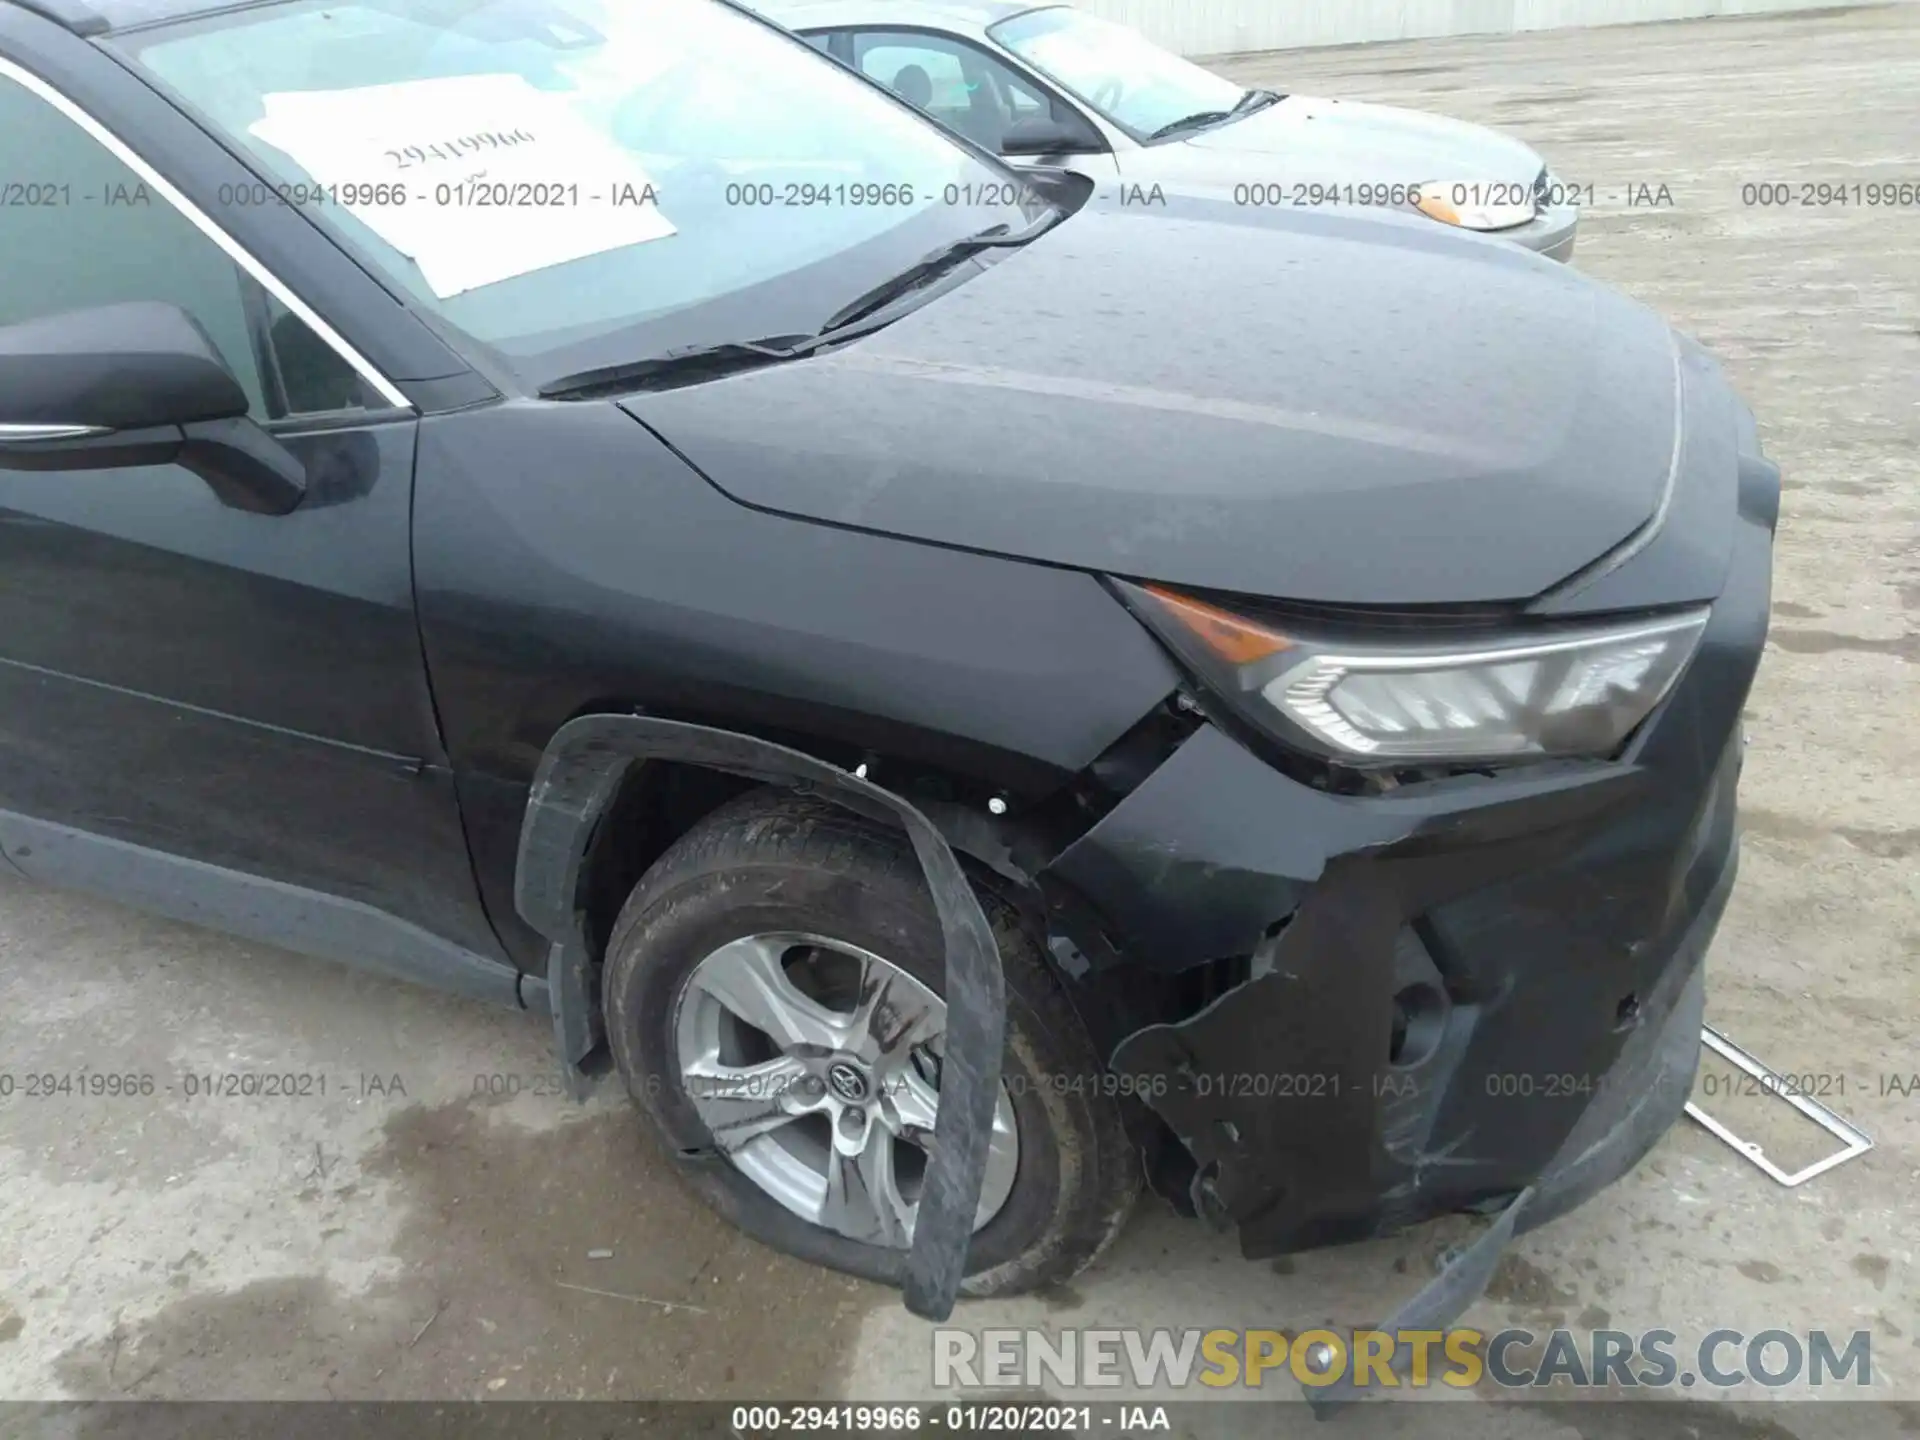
1220 27
400 1235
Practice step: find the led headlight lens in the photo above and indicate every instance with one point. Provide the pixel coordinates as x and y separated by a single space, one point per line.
1580 694
1569 693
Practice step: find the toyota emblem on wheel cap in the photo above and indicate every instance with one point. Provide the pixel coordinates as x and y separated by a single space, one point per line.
847 1082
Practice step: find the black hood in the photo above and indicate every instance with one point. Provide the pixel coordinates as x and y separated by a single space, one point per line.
1306 405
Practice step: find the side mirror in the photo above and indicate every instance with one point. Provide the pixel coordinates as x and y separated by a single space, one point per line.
138 384
1045 135
1068 189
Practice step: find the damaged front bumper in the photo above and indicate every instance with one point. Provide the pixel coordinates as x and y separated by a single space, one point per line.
1435 1012
1480 993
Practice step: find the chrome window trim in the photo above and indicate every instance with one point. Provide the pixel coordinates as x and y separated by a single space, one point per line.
200 221
18 433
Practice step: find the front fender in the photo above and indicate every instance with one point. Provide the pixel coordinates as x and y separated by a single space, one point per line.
580 774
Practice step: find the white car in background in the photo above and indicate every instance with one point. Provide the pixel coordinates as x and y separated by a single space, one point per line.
1054 85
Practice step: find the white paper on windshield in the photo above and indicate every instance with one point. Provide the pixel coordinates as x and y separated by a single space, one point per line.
475 178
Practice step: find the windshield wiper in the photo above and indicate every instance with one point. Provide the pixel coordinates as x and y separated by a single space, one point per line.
858 317
692 362
929 268
1200 119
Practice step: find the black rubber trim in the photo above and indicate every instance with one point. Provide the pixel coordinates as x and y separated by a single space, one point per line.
579 776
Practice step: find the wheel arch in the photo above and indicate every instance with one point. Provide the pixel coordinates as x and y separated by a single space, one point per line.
575 791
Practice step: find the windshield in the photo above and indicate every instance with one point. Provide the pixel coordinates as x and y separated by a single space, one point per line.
574 183
1119 72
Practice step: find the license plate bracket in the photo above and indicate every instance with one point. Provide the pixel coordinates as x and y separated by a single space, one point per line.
1854 1141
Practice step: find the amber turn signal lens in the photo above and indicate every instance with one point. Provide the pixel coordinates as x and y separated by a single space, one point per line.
1235 640
1436 207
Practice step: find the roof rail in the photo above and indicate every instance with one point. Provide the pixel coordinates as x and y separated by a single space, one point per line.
74 15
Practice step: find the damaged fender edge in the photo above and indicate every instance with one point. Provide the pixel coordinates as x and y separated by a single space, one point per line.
578 777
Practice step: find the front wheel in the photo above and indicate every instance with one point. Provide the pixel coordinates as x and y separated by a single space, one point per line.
773 997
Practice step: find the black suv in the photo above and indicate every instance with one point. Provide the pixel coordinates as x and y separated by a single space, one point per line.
967 691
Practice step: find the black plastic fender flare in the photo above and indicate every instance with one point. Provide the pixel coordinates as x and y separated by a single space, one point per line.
580 774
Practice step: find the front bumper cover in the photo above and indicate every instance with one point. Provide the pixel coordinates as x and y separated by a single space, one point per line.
1480 993
1443 1003
1552 232
1648 1090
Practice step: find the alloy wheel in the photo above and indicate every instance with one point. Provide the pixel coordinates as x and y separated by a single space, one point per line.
816 1067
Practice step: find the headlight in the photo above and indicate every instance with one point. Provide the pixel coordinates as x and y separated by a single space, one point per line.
1475 205
1561 693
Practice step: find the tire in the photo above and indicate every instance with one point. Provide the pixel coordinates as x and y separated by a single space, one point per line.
775 862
